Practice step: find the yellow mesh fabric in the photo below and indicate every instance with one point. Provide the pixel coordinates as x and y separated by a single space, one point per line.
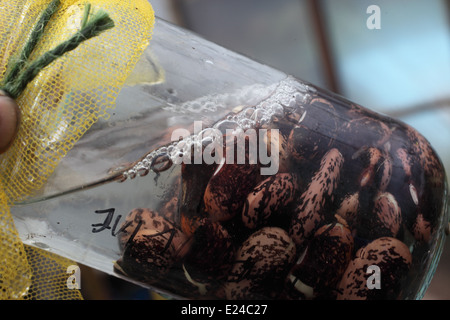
14 269
49 275
56 109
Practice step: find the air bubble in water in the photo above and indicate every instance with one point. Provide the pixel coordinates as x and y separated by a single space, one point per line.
288 94
257 115
181 145
132 173
277 110
225 125
248 112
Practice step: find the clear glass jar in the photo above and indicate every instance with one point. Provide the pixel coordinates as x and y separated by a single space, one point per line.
276 190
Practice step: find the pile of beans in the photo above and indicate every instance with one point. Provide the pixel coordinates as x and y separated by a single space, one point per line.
355 194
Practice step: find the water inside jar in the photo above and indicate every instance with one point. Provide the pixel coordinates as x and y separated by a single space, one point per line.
319 199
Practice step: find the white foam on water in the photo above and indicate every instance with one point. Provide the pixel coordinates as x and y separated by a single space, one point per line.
260 103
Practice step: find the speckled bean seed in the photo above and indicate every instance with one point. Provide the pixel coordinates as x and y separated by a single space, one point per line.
323 264
393 259
269 201
310 213
261 264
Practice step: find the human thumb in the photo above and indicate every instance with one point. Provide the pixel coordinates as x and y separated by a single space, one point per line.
9 118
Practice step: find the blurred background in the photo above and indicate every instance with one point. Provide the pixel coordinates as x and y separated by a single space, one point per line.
398 65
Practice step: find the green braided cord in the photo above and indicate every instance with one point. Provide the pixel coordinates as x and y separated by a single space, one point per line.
35 36
99 23
87 11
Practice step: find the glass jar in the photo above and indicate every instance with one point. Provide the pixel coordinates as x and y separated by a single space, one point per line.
217 177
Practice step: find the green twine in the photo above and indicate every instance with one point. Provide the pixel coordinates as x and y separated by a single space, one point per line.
23 72
87 11
35 36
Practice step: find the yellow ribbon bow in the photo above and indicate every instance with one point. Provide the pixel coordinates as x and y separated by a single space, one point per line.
57 107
